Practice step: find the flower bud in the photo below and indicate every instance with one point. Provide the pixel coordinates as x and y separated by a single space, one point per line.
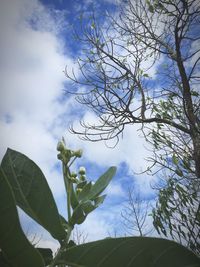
60 146
78 153
73 174
73 180
59 156
82 170
78 190
82 178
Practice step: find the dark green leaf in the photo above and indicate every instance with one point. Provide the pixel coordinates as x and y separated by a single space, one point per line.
73 198
131 252
179 172
175 159
3 261
64 222
17 250
78 216
151 8
32 192
47 255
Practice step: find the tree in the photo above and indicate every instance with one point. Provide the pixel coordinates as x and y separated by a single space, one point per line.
135 214
79 236
177 213
142 67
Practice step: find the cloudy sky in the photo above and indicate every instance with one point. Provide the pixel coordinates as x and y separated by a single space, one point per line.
36 45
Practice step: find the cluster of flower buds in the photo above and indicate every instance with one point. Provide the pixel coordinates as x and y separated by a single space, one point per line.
78 178
82 174
66 154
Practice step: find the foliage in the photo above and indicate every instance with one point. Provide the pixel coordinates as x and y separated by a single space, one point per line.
141 67
178 214
23 184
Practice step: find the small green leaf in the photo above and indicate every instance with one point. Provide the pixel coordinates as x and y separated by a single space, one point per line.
175 159
93 25
102 183
179 172
151 8
73 198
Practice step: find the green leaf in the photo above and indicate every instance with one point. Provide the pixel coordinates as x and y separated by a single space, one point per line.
151 8
47 255
73 198
130 252
17 250
3 261
175 159
78 216
179 172
99 200
32 192
83 195
87 207
102 183
93 25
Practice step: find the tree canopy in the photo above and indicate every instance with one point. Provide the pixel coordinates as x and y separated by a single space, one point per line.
141 66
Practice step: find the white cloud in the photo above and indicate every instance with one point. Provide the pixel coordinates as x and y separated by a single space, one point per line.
31 117
32 79
31 71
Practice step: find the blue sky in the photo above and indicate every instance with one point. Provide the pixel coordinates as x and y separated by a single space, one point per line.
36 45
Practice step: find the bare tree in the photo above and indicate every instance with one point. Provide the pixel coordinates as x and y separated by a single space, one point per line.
135 214
141 66
79 236
115 68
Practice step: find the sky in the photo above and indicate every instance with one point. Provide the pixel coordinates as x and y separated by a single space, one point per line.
36 45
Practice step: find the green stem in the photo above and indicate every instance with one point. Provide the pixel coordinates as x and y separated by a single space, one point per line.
68 185
66 176
63 247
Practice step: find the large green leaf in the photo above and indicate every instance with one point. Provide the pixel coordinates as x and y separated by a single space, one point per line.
101 183
130 252
47 255
32 192
16 248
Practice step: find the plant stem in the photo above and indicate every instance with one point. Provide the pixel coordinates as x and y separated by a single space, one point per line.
62 248
66 176
68 185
